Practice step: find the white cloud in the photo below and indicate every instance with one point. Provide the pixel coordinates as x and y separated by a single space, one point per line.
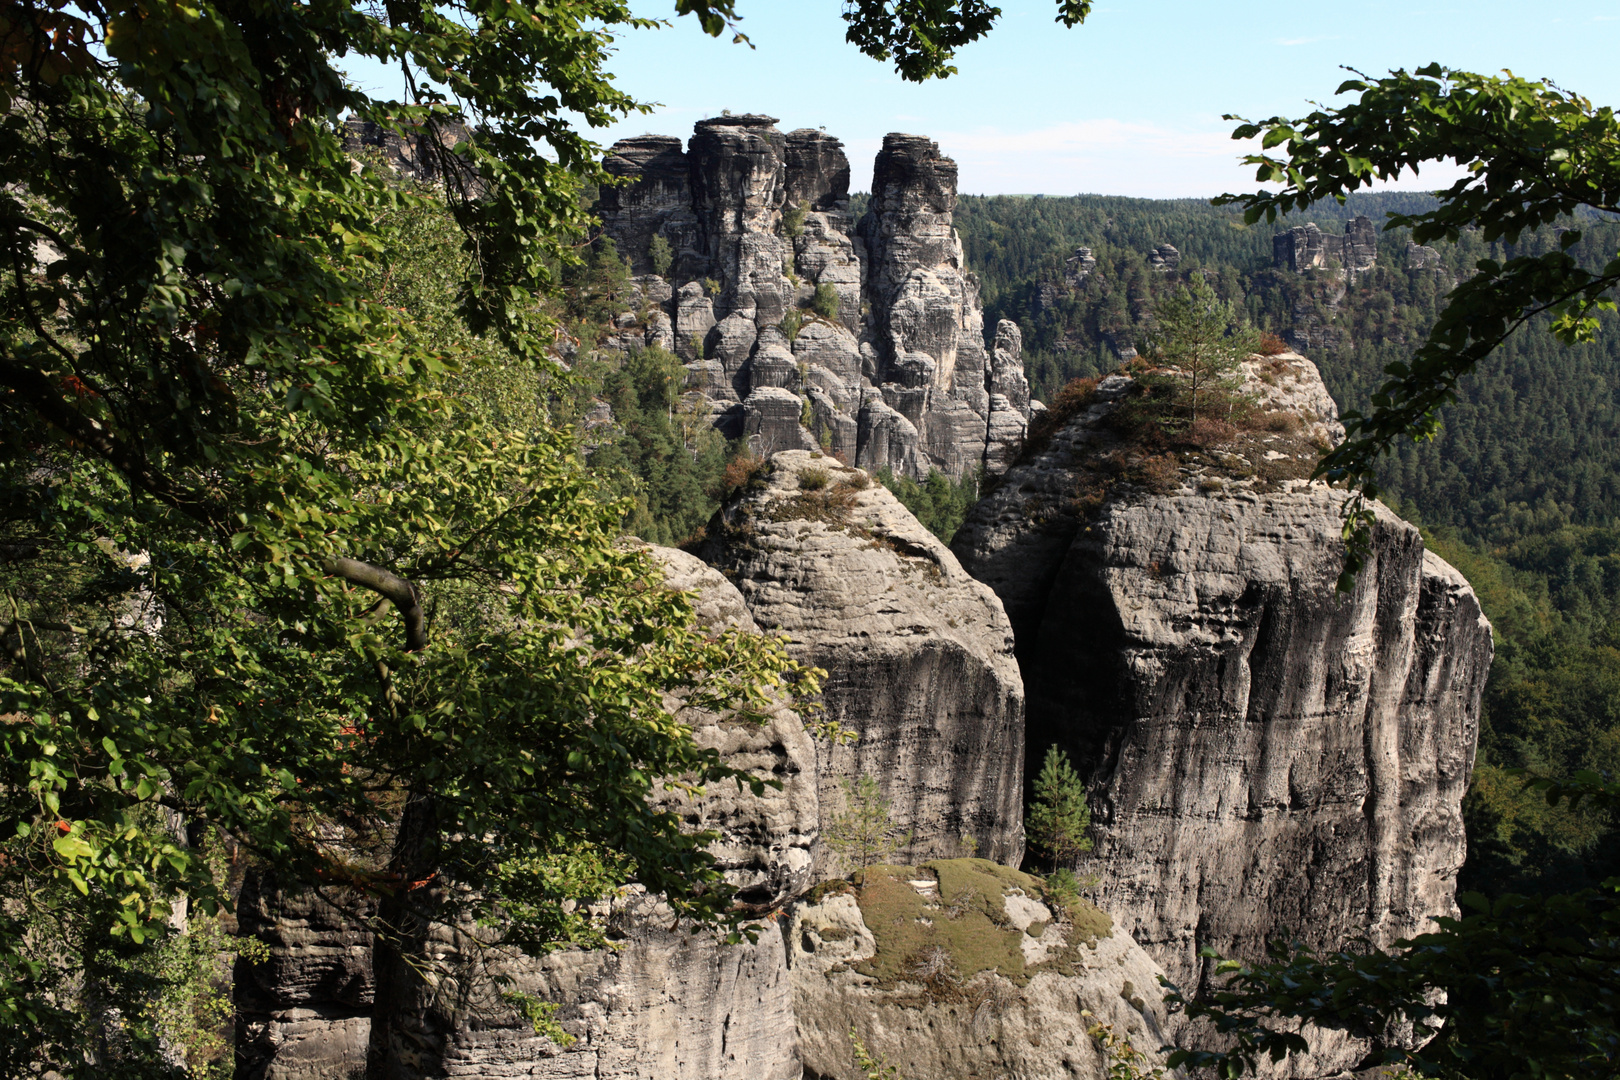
1119 157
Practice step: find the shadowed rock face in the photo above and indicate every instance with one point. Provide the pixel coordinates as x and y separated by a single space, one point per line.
757 224
305 1013
918 654
1267 758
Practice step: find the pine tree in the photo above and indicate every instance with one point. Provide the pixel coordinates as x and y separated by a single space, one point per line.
1059 817
864 833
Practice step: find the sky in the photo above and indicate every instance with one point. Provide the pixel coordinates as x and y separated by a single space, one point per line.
1130 103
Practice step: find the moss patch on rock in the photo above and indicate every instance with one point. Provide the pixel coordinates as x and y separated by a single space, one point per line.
953 924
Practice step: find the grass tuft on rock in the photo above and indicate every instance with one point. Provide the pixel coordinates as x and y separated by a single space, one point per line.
944 940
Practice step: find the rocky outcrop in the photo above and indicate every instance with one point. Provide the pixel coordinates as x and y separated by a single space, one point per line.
660 1003
957 968
762 240
1266 757
422 153
918 654
1164 258
304 1012
1421 257
1306 247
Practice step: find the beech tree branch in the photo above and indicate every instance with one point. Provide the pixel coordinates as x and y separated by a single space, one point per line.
391 587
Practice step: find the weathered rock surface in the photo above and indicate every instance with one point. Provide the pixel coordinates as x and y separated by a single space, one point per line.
758 223
957 969
305 1012
918 654
664 1003
1266 757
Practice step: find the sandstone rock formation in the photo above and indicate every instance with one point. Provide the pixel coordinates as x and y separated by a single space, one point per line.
918 654
957 969
663 1003
758 224
1266 757
305 1012
1421 257
1306 247
1164 258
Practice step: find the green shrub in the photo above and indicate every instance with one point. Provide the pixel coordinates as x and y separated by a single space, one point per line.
864 834
790 324
939 502
813 479
1058 816
793 222
825 301
662 256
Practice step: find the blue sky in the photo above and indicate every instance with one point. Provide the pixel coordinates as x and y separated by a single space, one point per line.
1128 104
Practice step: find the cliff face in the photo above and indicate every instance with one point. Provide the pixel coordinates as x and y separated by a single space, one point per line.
1267 758
892 371
663 1003
918 654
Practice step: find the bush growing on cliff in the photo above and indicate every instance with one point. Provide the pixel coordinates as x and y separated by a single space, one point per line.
825 301
1204 339
863 833
661 255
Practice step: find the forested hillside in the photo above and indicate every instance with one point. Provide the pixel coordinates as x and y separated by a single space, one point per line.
1519 489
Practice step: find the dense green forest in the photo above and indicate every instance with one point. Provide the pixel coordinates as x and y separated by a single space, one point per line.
1519 489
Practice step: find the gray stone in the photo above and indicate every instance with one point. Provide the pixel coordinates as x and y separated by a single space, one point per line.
909 318
918 654
1306 247
1267 758
817 171
1164 258
771 421
303 1013
773 365
657 201
664 1004
694 318
960 1019
1421 257
830 347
